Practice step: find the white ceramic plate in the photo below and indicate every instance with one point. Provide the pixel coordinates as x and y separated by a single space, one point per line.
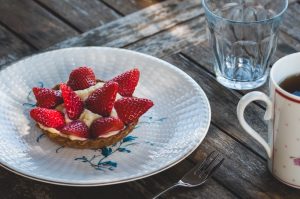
165 135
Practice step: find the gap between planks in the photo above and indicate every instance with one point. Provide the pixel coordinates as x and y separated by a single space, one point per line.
112 8
18 36
55 14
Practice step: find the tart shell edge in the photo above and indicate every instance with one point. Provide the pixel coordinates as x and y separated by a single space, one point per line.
89 143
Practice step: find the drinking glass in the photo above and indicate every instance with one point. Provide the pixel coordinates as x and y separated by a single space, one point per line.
243 35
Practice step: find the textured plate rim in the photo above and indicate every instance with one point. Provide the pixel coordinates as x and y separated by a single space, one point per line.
176 161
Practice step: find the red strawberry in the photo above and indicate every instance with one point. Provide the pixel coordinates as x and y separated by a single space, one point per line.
104 125
81 78
47 98
127 82
73 104
77 128
101 101
48 117
130 109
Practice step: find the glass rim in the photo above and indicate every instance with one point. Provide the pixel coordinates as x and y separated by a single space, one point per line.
245 22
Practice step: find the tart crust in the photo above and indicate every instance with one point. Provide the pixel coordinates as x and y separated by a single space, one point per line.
89 143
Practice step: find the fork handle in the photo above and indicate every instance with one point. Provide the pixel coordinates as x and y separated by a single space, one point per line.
168 189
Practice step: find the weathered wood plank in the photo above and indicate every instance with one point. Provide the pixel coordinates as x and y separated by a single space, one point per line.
34 23
129 6
286 45
244 173
138 25
291 21
84 15
13 186
12 48
172 40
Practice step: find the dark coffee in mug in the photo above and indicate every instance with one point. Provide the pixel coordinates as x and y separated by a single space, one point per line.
291 84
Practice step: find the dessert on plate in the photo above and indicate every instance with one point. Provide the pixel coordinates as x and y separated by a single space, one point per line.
87 112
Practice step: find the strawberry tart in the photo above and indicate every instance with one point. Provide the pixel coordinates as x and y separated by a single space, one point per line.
89 113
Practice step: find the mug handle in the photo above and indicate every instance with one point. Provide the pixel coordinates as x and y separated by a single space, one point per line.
247 99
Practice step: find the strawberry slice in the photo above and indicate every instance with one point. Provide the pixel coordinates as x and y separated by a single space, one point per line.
76 128
81 78
127 82
47 98
103 125
73 104
130 109
48 117
101 101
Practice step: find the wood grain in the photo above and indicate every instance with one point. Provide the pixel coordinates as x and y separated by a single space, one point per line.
129 6
138 25
13 186
33 23
12 48
84 15
291 21
172 40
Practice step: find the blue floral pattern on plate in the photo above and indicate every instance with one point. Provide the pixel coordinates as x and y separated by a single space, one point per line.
100 162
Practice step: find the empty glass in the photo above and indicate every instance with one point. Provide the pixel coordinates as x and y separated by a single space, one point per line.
243 35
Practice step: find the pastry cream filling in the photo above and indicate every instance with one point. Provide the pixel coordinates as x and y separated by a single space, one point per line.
84 94
53 130
86 116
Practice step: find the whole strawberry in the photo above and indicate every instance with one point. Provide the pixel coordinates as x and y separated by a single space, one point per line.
47 98
73 104
48 117
81 78
103 125
101 101
127 82
76 128
130 109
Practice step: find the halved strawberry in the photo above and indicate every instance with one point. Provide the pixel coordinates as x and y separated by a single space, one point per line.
76 128
130 109
101 101
47 98
81 78
127 82
73 104
104 125
48 117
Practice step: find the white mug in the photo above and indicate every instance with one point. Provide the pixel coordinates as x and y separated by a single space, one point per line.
283 114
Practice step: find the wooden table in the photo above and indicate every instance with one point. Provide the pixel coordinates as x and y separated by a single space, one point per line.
173 30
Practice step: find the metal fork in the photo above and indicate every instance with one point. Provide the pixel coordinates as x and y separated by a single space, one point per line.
199 173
